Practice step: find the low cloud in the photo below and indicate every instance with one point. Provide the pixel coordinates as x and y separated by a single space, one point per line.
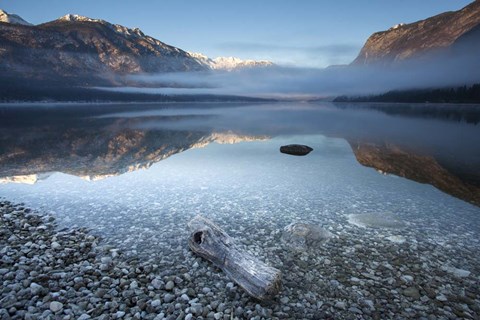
281 82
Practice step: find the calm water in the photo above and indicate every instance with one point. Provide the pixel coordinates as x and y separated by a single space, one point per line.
136 174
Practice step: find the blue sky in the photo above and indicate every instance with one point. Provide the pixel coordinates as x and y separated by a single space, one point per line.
310 33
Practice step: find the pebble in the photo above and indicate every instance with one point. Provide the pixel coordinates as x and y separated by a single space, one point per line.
170 285
157 283
56 306
412 293
441 297
156 303
168 298
35 288
406 278
55 245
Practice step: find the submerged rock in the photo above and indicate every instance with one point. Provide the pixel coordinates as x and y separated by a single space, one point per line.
377 220
397 239
412 292
299 235
460 273
296 149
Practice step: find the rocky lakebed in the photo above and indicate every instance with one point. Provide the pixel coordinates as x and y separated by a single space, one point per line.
346 271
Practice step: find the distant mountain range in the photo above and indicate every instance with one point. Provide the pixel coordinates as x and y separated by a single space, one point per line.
230 63
80 52
88 51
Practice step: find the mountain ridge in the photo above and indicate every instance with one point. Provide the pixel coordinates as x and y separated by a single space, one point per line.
419 39
86 51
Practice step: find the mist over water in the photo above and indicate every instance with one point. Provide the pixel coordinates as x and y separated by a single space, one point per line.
289 82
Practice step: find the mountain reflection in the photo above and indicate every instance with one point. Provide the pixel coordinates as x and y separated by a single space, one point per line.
437 145
94 148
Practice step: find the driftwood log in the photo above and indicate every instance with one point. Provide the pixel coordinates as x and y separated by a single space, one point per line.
296 149
212 243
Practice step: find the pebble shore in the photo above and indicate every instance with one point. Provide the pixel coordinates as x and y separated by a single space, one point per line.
52 273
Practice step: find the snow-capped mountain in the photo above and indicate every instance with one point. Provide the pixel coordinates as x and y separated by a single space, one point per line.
116 27
79 50
83 51
230 63
12 18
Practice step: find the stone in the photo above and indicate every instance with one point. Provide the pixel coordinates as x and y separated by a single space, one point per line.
56 306
340 305
441 297
355 310
156 303
412 292
55 245
36 289
134 285
106 260
170 285
300 235
296 149
168 298
406 278
376 220
157 283
397 239
460 273
84 317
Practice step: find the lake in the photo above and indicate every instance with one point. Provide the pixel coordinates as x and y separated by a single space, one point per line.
396 186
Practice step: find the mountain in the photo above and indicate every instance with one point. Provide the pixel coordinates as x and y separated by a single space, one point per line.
12 18
79 50
85 51
432 36
230 63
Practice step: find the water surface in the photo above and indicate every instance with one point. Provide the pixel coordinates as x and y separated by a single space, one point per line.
136 174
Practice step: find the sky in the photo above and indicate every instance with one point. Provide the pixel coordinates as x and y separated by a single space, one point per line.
308 33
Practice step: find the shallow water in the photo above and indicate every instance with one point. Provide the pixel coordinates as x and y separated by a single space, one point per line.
153 168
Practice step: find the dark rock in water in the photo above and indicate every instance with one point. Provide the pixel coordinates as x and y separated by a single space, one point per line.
296 149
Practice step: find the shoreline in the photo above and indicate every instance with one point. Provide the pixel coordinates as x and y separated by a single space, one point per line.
69 273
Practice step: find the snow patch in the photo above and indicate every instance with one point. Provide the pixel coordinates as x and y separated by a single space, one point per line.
12 18
229 63
115 27
397 26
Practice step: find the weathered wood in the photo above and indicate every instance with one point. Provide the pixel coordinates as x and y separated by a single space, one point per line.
212 243
296 149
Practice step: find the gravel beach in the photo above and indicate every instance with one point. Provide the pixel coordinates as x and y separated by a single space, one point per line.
51 273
